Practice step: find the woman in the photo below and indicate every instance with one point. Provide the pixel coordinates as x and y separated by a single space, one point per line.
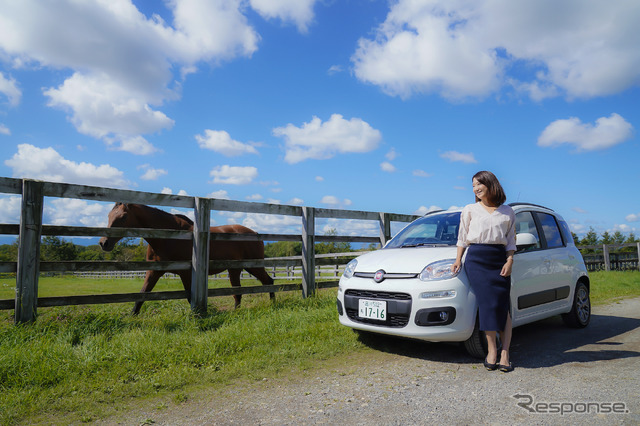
487 234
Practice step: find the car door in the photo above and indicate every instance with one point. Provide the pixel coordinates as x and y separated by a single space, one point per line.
539 281
529 270
557 261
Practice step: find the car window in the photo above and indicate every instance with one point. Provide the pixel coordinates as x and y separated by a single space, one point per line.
526 224
566 231
434 229
550 230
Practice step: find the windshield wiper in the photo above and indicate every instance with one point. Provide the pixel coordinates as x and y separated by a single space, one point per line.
425 245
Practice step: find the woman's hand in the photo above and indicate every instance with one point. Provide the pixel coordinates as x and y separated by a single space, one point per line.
455 268
506 269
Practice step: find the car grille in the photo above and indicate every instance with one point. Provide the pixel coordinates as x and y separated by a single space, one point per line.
394 319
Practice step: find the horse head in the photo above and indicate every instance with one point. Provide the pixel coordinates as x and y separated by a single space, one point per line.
119 217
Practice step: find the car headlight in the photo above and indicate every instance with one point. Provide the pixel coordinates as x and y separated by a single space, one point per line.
440 270
350 269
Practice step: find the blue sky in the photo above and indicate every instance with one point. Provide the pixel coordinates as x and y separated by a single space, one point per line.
358 104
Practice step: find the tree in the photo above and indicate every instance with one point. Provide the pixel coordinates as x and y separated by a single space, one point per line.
283 249
9 252
576 239
91 253
54 249
332 247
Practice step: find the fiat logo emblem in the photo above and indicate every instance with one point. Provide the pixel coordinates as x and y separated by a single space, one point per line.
379 276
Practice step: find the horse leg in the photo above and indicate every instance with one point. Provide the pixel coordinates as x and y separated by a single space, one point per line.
186 283
150 280
234 277
264 277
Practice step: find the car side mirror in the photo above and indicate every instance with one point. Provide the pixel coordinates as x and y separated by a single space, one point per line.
525 241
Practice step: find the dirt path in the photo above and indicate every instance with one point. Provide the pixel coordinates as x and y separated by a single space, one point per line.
596 370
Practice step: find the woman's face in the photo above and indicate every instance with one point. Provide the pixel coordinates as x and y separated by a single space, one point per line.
481 191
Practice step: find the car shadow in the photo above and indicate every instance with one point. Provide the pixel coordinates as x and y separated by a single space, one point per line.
540 344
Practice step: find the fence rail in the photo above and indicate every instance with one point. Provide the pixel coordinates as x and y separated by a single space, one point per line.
31 229
608 257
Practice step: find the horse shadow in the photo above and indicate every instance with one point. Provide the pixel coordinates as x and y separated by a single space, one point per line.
540 344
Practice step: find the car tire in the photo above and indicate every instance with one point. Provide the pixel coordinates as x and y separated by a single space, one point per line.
580 313
476 345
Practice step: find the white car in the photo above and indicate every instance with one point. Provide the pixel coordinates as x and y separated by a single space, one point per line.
407 288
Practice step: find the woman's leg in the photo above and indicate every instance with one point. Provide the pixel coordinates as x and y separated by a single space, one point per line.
505 337
492 355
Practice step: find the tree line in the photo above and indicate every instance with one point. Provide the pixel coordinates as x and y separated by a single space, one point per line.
591 238
55 249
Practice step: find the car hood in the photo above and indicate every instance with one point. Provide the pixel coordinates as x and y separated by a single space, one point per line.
404 260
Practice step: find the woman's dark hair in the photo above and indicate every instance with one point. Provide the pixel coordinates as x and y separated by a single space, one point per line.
496 193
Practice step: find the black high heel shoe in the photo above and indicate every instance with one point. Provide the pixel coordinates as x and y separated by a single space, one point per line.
489 366
506 368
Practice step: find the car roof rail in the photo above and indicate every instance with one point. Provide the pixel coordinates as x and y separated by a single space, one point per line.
432 212
529 204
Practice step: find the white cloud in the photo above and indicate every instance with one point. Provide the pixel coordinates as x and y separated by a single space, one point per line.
422 210
221 142
459 157
9 88
320 141
421 173
335 69
385 166
579 210
461 48
633 218
334 201
151 173
270 223
10 208
295 202
233 175
607 132
254 197
4 130
47 164
124 65
319 179
391 155
300 12
73 212
221 194
103 108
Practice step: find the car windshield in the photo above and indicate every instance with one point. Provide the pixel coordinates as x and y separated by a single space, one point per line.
438 229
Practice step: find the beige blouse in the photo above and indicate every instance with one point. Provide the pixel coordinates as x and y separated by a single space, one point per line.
478 226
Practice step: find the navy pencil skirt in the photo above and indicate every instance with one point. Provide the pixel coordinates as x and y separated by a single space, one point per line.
483 265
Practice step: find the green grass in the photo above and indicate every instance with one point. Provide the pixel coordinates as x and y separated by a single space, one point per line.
78 364
607 287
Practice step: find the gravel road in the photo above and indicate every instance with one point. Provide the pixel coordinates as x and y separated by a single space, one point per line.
402 383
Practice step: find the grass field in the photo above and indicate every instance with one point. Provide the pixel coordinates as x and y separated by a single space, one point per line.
80 364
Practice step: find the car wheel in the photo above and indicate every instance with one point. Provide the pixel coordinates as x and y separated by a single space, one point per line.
476 345
580 313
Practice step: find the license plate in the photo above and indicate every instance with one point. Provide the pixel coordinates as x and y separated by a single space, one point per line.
373 309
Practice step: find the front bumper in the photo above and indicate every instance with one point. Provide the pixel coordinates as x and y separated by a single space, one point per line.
413 307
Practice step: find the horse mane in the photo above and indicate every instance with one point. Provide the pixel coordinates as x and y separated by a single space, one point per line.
164 213
185 218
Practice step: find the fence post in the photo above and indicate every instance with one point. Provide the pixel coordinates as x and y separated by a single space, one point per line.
200 257
308 251
385 229
638 244
28 269
605 255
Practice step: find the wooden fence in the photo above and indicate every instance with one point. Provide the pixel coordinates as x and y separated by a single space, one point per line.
31 229
609 257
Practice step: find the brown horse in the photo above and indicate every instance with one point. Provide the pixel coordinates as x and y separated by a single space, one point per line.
159 249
